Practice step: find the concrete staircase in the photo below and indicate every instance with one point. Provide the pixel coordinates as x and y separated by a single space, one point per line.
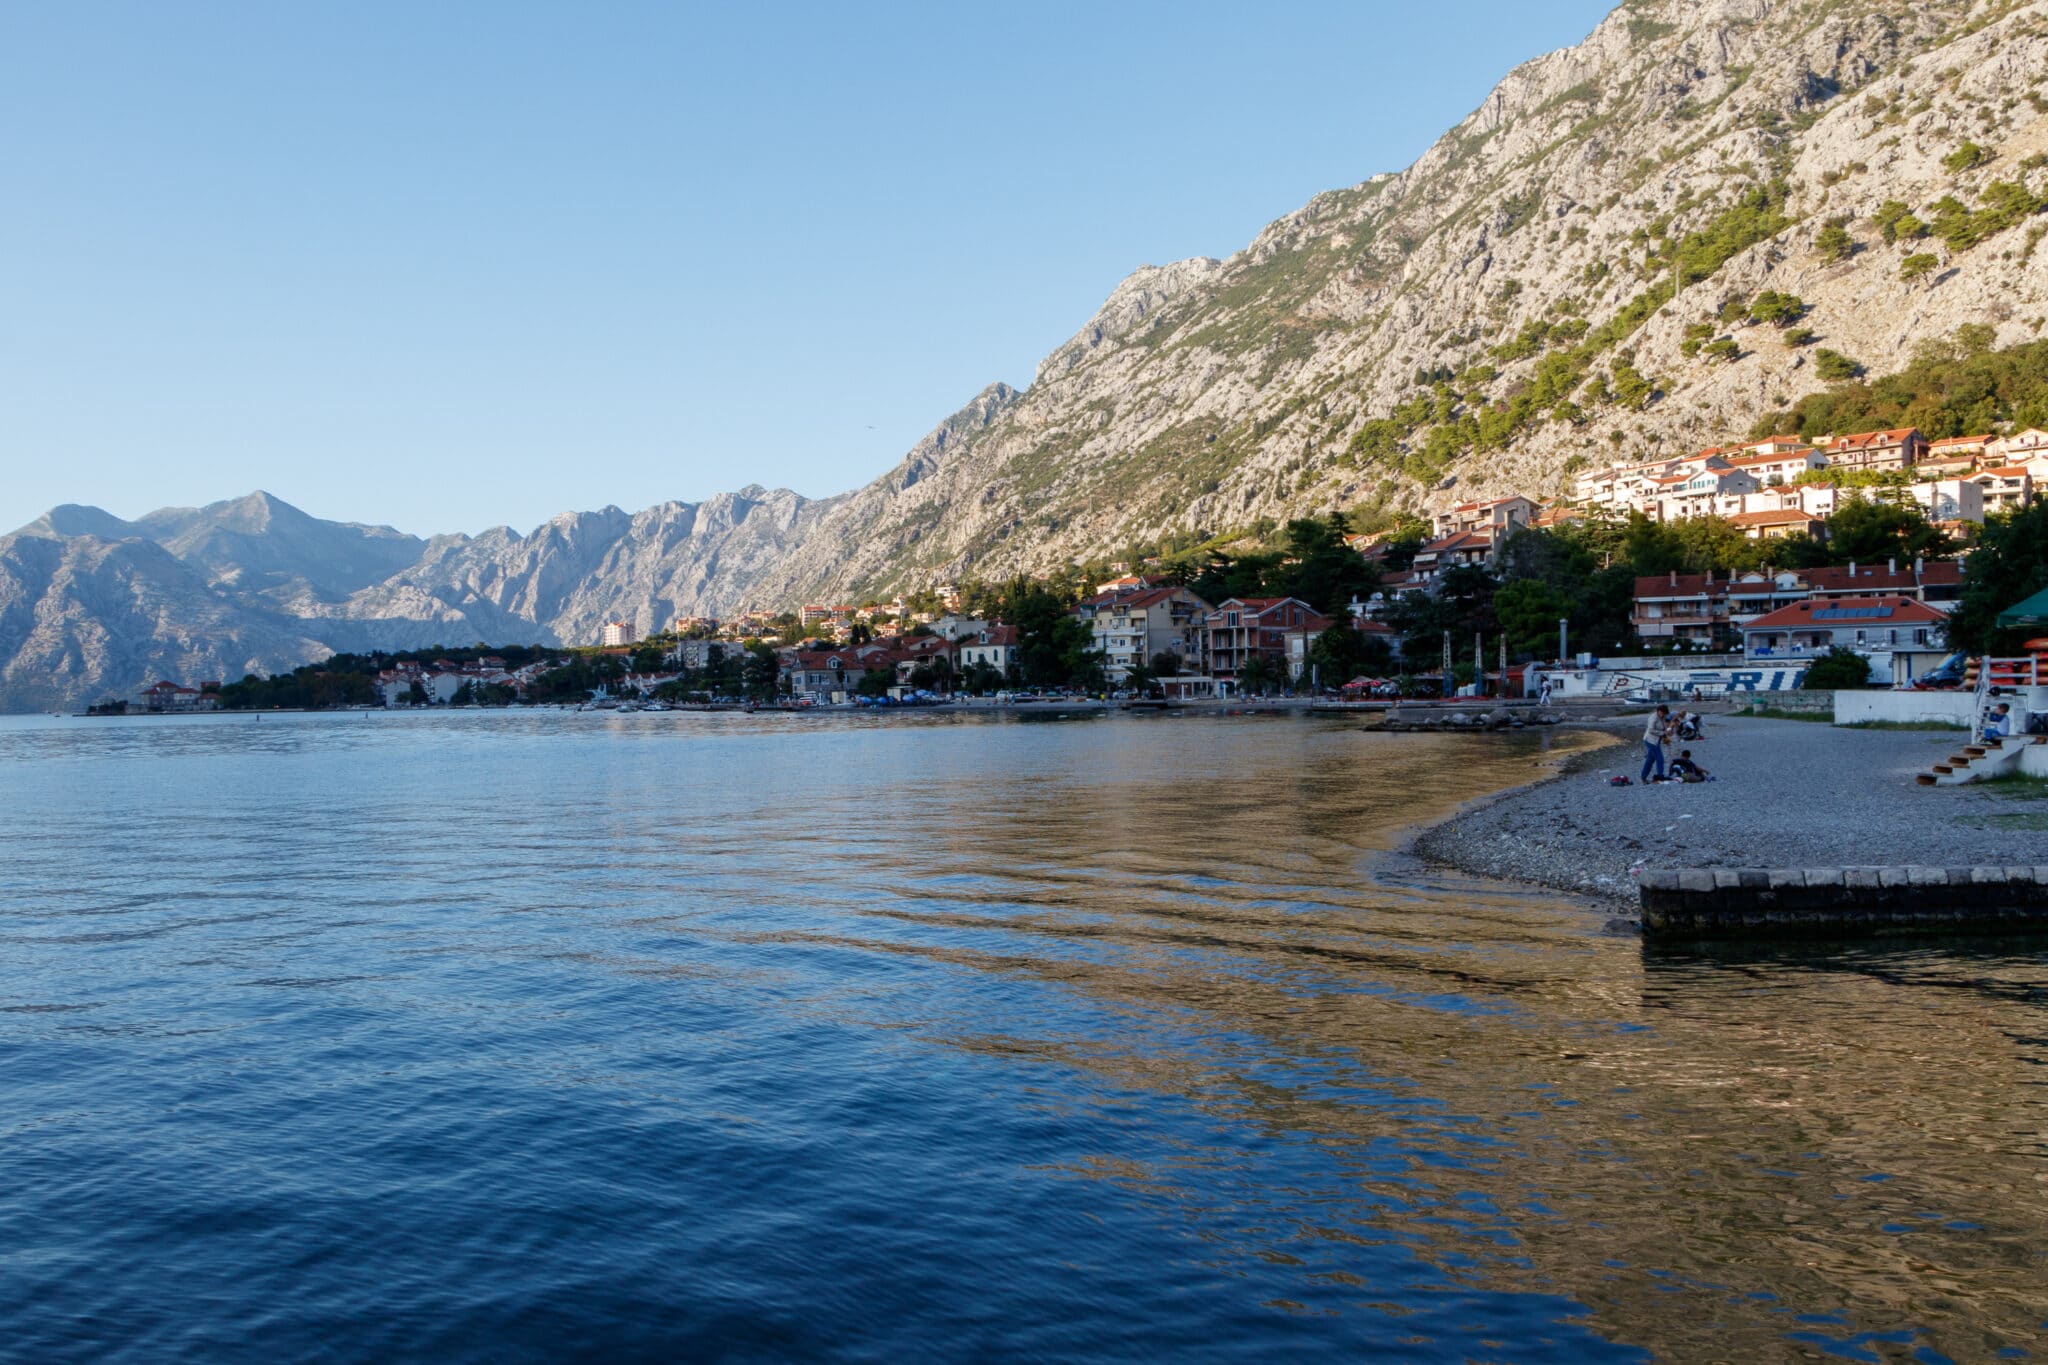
1986 759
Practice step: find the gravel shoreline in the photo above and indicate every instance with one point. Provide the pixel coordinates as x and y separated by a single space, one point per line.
1787 794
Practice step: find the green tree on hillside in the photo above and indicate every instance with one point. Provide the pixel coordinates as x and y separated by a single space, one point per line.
2009 565
1867 530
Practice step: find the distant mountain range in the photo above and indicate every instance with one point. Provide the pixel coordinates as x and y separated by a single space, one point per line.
1495 315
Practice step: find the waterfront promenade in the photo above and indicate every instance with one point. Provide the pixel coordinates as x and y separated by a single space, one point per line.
1788 794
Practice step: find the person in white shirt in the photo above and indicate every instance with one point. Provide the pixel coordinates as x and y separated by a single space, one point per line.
1653 743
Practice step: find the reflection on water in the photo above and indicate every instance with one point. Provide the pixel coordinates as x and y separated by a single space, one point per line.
770 1036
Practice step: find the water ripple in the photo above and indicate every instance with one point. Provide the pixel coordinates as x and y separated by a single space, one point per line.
527 1036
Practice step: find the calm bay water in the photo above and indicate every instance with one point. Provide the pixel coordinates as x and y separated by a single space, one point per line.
544 1035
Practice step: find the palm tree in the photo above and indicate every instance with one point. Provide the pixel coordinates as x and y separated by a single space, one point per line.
1256 675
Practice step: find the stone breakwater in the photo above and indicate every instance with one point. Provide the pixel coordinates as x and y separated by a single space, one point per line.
1841 900
1786 794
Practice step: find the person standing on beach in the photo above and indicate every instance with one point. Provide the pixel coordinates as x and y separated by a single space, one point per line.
1653 743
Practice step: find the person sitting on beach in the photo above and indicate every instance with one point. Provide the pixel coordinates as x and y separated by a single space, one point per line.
1689 725
1685 770
1998 724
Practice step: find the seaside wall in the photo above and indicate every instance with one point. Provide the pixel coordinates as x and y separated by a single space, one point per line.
1907 708
1791 699
1841 901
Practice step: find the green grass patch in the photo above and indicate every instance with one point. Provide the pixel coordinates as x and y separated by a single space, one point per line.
2017 786
1780 713
2030 822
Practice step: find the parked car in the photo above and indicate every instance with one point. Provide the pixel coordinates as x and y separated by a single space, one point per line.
1947 674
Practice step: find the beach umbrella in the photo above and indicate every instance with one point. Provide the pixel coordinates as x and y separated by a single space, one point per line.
2032 612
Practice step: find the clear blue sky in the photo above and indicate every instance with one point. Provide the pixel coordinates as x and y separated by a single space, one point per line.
452 265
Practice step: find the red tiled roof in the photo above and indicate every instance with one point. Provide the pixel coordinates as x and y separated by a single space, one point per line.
1865 439
1740 460
1960 441
1679 585
1785 517
1835 578
1458 540
1904 611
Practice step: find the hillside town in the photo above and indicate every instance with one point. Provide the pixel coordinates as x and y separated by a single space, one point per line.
1147 627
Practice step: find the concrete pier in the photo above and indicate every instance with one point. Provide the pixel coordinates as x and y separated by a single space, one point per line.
1841 901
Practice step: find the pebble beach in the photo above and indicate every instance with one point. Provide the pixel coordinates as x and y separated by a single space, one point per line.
1785 794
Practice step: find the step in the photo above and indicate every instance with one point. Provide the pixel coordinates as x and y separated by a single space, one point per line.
1926 779
1974 750
1944 768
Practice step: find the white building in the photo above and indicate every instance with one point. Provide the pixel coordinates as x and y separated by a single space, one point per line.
1772 468
618 633
1950 499
994 645
2005 487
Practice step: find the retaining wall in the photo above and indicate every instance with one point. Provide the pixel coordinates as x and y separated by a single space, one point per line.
1910 708
1841 901
1791 699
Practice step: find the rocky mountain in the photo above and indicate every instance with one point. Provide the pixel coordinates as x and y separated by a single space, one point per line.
261 545
82 614
1565 278
1503 309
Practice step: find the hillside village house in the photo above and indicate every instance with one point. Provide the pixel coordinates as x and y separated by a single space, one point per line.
1135 626
1768 524
1772 468
820 674
953 626
1465 547
1902 637
1877 450
1817 500
994 645
1954 455
1275 629
1496 516
394 685
1949 499
2004 488
617 633
1702 492
2016 448
698 655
